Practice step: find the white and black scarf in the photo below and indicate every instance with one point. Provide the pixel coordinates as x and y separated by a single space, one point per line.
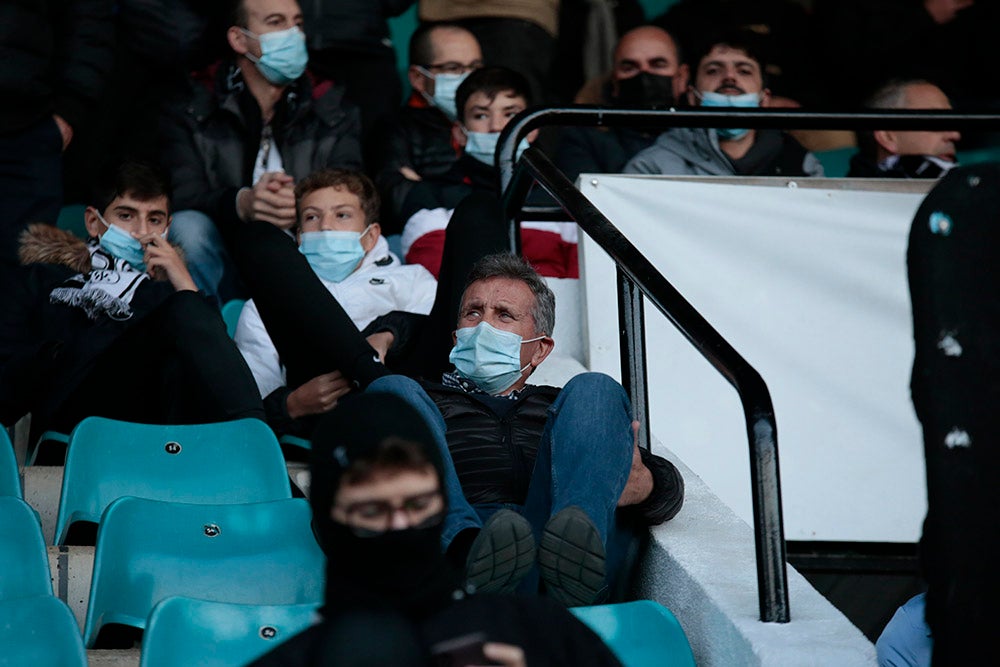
106 290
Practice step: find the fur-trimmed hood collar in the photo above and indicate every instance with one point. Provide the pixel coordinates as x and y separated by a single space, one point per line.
41 243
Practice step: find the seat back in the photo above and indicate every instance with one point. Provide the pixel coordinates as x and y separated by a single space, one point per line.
39 630
147 550
227 462
10 480
184 631
24 563
641 633
231 314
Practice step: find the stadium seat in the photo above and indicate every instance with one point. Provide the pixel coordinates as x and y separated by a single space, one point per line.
231 315
641 633
148 550
10 480
24 564
184 631
226 462
39 630
71 220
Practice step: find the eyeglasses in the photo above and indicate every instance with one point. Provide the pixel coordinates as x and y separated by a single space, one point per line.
452 67
376 516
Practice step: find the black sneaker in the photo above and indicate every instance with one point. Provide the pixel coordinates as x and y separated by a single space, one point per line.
572 559
502 553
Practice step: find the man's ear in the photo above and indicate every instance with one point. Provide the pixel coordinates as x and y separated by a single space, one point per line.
531 136
371 238
237 40
545 347
419 81
692 98
887 140
95 228
458 135
681 80
765 97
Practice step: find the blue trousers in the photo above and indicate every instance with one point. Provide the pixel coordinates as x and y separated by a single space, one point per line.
584 459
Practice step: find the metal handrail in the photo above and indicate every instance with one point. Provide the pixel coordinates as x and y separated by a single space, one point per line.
637 277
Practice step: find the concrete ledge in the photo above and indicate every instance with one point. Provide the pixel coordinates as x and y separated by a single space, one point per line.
701 565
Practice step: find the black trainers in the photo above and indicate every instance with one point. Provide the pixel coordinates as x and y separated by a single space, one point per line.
502 553
572 559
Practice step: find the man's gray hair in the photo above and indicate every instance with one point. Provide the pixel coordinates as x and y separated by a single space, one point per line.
892 95
506 265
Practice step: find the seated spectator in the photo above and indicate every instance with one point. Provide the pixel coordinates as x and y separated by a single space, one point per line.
420 145
905 154
241 138
510 441
339 235
488 99
729 73
379 503
114 326
906 640
648 74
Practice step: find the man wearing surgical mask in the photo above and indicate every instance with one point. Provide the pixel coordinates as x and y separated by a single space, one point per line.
508 443
246 132
339 235
729 74
420 146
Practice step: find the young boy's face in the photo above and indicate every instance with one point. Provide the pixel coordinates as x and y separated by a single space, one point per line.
137 217
484 115
336 209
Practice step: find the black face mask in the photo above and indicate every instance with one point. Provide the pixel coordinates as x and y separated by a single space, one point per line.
645 91
400 569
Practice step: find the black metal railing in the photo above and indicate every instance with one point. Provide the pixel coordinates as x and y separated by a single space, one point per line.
637 278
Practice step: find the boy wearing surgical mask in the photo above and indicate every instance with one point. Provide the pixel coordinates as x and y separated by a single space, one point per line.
486 100
729 74
115 327
339 235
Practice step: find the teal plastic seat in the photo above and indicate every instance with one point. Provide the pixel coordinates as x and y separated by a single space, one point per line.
641 633
10 480
231 314
148 550
836 161
39 631
24 563
226 462
184 631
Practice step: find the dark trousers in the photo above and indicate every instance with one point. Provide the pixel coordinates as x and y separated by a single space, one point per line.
30 181
954 276
177 365
522 46
312 332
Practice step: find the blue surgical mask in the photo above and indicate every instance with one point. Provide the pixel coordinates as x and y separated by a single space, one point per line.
119 243
483 145
283 55
488 356
746 100
445 87
333 255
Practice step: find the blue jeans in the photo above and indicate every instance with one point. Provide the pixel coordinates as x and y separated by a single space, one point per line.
206 256
584 459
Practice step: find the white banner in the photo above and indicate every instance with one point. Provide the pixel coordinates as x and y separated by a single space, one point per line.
809 285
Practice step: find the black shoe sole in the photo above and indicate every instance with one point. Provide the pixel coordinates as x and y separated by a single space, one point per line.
571 558
501 555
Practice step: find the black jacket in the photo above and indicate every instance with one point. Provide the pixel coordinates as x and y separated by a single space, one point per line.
357 24
599 150
211 138
546 631
421 140
54 58
481 440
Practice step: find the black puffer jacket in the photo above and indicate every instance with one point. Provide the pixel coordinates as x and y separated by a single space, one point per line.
54 58
211 138
495 454
360 24
421 141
